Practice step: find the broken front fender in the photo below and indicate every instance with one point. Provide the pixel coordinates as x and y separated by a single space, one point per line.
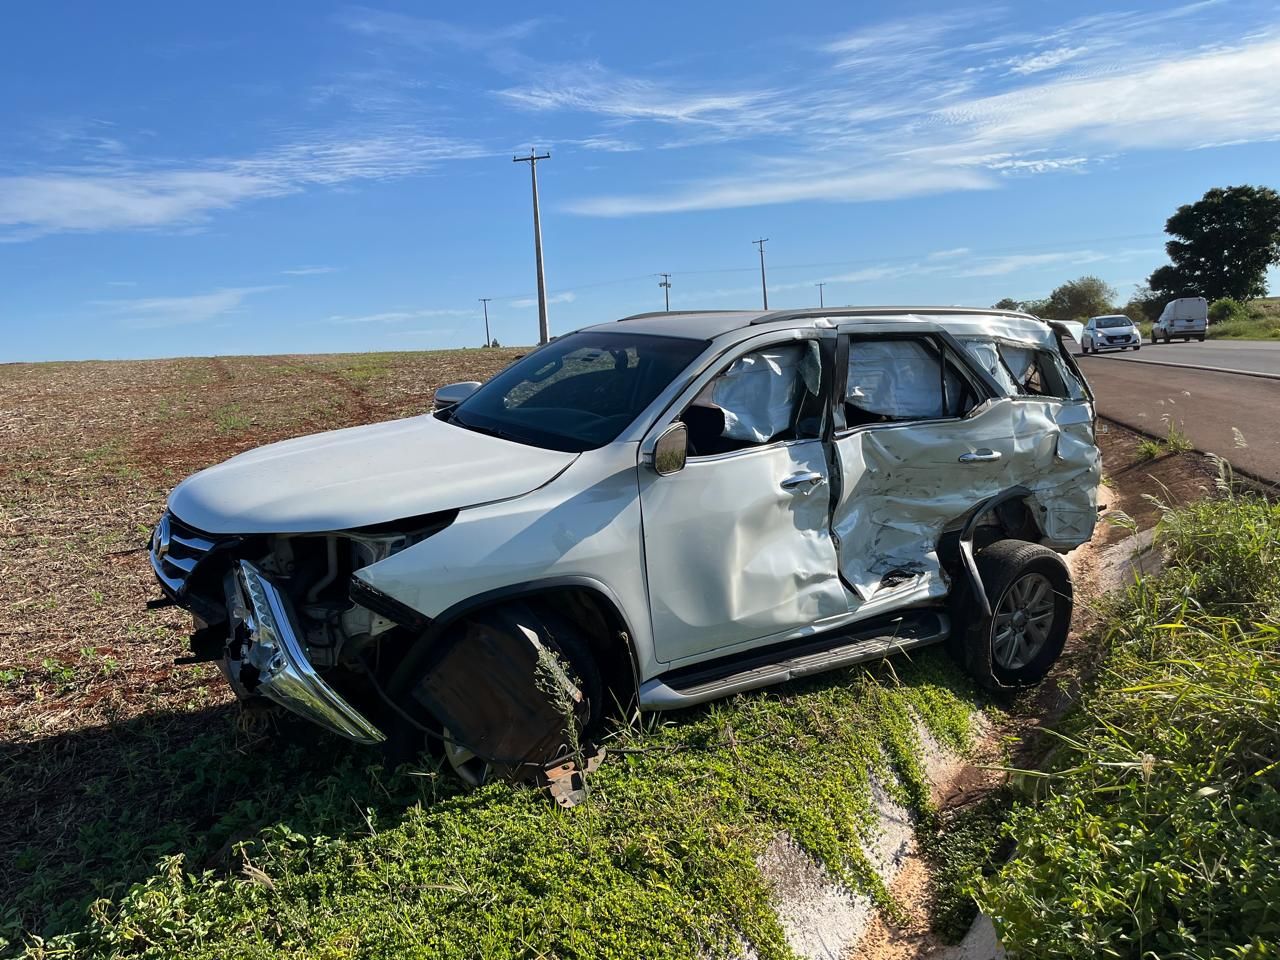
274 665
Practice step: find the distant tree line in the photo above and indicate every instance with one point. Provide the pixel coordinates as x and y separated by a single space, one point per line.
1221 249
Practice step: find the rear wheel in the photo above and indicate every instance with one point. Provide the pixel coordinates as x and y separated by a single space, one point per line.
1029 590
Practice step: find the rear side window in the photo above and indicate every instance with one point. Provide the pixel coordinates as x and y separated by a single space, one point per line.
903 379
1024 370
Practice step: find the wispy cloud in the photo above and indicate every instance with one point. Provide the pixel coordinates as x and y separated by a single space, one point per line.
425 34
400 316
156 312
1002 266
922 112
135 194
788 184
1044 60
309 271
567 296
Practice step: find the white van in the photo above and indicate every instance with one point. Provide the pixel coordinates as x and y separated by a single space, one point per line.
1185 317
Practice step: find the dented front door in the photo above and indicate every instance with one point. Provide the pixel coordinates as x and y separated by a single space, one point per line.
738 548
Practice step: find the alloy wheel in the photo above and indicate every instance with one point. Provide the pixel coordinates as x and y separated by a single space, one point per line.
1023 621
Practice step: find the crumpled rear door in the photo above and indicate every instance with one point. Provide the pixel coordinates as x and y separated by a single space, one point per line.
904 484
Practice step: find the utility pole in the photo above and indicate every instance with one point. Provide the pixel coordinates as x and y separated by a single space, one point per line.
488 340
665 283
821 303
544 332
764 291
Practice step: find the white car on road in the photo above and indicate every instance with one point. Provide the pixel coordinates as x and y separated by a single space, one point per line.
657 512
1114 331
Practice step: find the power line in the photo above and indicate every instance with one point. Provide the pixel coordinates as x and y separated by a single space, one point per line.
544 331
905 258
665 283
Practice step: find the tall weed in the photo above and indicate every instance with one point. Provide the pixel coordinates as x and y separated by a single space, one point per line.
1160 832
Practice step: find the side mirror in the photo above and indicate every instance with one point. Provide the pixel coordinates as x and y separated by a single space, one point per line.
454 393
671 450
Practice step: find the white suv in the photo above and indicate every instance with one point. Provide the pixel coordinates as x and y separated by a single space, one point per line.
1112 332
656 511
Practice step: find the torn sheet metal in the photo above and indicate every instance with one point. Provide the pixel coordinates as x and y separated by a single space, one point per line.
904 486
758 393
504 696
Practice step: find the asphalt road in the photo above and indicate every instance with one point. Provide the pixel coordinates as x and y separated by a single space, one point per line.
1259 356
1140 394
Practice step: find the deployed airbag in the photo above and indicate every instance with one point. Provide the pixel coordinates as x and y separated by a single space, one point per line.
759 392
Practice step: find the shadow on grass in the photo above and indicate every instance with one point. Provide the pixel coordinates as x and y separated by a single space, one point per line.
89 813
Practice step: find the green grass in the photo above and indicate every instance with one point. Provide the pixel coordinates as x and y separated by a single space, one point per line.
312 850
231 418
1159 834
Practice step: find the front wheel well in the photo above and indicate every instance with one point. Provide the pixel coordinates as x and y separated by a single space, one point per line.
602 624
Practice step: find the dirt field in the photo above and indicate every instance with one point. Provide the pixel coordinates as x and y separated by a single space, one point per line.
112 757
95 718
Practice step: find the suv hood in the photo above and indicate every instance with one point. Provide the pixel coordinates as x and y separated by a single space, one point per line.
361 476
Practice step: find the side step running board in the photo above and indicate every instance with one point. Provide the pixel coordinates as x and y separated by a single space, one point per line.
798 658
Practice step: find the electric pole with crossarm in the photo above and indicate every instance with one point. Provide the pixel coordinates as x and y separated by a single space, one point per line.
544 332
665 284
764 290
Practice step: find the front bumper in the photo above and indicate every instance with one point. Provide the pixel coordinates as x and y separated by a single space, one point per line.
1118 343
273 663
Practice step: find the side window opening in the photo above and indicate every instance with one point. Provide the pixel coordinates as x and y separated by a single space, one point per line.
1024 370
763 397
902 380
1040 373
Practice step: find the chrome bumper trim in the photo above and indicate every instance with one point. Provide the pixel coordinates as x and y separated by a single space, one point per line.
285 675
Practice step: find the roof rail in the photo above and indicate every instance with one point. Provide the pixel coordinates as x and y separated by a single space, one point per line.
676 313
776 315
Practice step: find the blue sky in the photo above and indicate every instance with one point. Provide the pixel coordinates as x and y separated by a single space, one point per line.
298 177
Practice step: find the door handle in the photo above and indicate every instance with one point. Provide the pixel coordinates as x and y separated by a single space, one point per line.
985 455
802 482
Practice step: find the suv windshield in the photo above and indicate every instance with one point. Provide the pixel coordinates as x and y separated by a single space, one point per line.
578 392
1106 323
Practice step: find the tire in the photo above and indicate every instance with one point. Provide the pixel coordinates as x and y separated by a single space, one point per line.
408 737
1029 589
1201 339
1137 346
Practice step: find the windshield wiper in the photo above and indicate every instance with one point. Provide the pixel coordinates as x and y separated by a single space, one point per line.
491 431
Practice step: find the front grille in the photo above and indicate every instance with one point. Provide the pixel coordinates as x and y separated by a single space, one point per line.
176 549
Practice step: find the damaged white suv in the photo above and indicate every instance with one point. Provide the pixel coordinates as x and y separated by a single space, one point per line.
657 511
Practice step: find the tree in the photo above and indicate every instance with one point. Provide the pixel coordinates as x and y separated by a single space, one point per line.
1080 299
1144 305
1008 303
1222 246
